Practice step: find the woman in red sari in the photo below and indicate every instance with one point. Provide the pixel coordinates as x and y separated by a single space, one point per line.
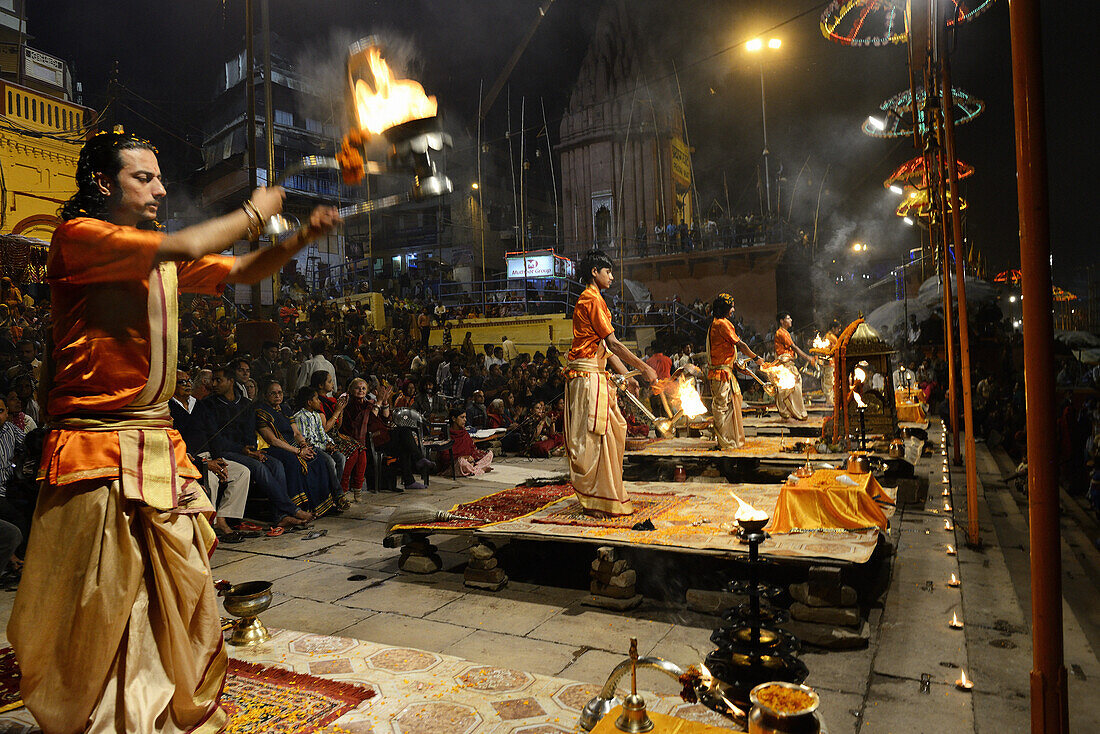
468 459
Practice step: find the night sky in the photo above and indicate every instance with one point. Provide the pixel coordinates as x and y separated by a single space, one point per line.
818 93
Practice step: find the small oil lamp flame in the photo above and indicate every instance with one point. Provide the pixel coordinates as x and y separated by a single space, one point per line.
947 525
964 683
954 582
951 551
382 100
955 623
947 507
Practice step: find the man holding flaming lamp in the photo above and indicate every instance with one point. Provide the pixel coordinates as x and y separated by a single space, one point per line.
784 373
115 624
595 430
722 346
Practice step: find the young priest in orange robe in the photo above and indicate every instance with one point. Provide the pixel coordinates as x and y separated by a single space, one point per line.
595 430
722 346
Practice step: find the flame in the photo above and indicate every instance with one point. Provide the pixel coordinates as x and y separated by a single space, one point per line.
955 620
392 101
690 402
859 399
964 681
859 376
820 343
954 579
745 511
778 373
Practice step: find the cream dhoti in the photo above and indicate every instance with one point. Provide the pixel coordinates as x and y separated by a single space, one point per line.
595 438
789 399
726 408
116 607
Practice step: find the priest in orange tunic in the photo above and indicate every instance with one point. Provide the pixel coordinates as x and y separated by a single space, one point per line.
115 624
595 430
722 346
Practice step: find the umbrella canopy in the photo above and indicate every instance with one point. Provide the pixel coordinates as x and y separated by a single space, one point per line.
912 174
1077 339
889 318
881 22
899 119
978 292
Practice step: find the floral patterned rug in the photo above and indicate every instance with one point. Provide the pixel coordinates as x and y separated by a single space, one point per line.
647 506
503 506
258 698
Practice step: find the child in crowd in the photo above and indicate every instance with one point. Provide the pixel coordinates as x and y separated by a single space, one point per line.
310 420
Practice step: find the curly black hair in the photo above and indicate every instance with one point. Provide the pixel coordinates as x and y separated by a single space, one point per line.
593 260
100 155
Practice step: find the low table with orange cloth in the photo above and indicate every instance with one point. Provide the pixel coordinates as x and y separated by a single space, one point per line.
820 502
908 403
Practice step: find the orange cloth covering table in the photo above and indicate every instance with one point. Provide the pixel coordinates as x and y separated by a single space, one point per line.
662 724
911 413
821 502
909 405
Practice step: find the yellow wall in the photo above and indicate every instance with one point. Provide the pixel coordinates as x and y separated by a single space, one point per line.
39 173
530 333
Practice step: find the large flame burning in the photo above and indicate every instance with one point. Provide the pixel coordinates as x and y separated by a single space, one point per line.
784 378
690 402
859 399
392 101
820 343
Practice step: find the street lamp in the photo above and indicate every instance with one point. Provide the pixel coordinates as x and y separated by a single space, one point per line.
753 46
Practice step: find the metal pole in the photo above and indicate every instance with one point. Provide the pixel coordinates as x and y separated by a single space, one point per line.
764 120
269 118
250 120
553 177
1049 703
948 96
480 195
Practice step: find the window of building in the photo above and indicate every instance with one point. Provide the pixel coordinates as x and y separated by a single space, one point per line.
49 115
18 106
9 109
314 126
284 118
34 110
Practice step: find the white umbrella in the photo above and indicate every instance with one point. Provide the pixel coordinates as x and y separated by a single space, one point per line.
890 316
978 293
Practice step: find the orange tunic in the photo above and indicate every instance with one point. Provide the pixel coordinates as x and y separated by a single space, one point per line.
784 345
723 342
591 324
114 334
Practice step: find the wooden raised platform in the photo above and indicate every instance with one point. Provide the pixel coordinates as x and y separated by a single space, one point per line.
699 520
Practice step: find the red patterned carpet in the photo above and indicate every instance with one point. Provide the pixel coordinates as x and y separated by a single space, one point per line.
647 506
508 504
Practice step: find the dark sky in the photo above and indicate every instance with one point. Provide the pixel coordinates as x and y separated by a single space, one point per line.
817 93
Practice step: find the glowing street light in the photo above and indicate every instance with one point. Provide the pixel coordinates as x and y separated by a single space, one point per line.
757 44
896 189
859 247
474 186
876 123
908 220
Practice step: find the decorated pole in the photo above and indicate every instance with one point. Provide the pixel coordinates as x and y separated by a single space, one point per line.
972 536
1049 703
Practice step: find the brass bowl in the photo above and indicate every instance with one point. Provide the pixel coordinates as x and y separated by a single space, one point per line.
247 601
752 526
858 463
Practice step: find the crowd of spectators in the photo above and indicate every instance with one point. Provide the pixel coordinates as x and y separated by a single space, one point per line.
330 407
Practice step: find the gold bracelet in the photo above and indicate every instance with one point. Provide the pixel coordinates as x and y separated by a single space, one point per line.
255 221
